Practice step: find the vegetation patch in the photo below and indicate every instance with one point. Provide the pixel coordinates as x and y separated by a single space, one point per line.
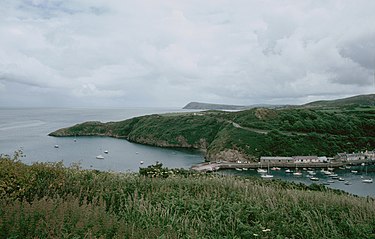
49 201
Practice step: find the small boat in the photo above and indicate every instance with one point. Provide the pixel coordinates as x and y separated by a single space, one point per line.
330 169
56 146
332 175
347 183
288 170
100 156
260 170
239 169
275 169
311 172
244 169
330 181
106 151
297 173
266 176
342 168
367 180
141 162
314 179
347 167
354 171
327 172
341 179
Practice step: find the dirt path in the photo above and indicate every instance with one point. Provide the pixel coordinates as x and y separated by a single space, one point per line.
264 131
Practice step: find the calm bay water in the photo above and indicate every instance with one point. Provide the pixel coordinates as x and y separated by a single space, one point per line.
356 187
28 129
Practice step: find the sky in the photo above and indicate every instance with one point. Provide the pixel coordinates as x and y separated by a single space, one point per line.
166 53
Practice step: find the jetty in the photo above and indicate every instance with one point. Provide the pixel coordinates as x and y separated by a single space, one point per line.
215 166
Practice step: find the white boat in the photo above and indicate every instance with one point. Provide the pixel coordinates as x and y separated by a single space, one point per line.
354 171
275 169
244 169
327 172
341 179
100 156
56 146
260 170
288 171
297 172
267 172
367 180
311 172
141 162
332 175
266 175
106 151
347 183
314 179
239 169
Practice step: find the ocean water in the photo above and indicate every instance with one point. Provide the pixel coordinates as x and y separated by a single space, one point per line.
27 129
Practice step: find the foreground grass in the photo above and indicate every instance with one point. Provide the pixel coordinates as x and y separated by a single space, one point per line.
49 201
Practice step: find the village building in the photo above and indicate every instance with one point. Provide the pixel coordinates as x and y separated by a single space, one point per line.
294 159
370 155
268 159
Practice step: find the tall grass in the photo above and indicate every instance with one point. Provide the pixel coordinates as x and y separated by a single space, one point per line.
49 201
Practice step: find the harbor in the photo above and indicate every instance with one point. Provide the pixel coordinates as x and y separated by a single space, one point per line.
220 165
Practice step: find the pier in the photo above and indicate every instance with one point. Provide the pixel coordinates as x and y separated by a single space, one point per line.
214 166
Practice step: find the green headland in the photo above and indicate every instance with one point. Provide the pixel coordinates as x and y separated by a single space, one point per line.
322 128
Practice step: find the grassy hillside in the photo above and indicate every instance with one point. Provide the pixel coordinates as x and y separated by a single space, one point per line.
49 201
250 133
359 100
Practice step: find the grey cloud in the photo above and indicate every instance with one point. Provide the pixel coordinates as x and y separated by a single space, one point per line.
171 52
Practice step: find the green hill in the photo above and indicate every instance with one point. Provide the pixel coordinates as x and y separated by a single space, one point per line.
246 134
359 100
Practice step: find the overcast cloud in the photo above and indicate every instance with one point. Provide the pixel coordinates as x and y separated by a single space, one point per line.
118 53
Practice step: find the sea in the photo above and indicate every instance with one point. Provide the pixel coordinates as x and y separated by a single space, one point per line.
27 129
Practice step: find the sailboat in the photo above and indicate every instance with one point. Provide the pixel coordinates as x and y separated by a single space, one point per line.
260 170
367 180
297 173
267 175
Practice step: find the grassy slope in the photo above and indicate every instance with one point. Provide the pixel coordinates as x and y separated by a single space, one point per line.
48 201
